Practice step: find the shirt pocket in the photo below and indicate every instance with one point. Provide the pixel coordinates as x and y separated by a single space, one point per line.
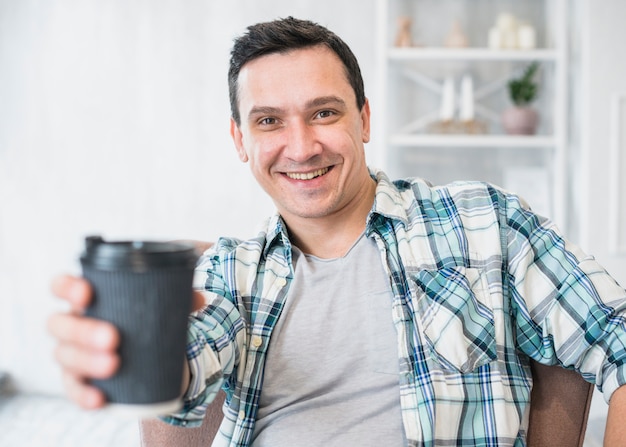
457 317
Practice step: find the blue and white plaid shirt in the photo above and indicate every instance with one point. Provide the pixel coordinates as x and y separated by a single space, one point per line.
481 284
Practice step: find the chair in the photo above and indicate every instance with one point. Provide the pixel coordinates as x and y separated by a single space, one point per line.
156 433
559 408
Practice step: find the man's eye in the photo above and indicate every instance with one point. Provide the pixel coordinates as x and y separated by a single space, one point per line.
267 121
325 113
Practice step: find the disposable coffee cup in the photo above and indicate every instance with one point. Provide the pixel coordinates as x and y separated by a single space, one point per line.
144 288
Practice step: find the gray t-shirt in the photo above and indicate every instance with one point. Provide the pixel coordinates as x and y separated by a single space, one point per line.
331 374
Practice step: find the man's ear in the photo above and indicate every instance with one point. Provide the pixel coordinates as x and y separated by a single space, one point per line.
365 119
237 137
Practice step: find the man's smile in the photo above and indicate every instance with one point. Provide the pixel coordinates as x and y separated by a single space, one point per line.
306 175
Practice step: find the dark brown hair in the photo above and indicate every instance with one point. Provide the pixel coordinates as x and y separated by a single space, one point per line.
281 36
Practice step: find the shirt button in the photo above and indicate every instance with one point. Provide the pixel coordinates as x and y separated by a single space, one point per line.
398 312
242 415
257 341
281 282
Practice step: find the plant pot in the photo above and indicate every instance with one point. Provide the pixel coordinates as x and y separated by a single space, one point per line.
520 120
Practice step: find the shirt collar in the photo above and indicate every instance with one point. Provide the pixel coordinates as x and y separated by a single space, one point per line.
276 234
388 203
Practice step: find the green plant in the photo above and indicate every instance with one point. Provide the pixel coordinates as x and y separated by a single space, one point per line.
524 90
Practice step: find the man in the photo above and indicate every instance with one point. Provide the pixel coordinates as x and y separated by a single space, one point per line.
368 312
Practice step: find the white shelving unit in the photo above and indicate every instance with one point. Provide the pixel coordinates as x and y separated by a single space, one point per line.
470 54
411 81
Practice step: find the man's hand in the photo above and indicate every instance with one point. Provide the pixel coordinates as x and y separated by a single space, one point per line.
87 348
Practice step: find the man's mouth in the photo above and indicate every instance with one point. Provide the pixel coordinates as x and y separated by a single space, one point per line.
306 175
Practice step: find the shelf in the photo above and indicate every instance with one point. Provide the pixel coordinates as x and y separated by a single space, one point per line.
411 87
475 141
470 54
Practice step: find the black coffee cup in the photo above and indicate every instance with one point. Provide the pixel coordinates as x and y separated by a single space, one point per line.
144 288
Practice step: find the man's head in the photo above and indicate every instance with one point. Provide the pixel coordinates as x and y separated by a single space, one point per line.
284 35
299 123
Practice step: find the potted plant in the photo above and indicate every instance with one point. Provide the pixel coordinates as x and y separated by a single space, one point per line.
522 119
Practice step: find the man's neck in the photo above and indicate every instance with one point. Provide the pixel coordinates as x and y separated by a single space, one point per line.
331 237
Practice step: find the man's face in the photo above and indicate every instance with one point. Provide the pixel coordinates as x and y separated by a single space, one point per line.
302 132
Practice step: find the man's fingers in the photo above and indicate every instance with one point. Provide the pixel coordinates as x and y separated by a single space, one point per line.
86 332
86 347
88 364
76 291
86 396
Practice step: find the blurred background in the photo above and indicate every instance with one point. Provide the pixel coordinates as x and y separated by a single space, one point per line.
114 120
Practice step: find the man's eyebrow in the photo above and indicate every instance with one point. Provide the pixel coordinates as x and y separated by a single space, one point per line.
324 101
321 101
264 110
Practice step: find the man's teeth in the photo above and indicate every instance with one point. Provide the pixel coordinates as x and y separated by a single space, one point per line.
307 175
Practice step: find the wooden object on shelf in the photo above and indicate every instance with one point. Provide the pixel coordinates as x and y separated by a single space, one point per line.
403 37
456 38
458 127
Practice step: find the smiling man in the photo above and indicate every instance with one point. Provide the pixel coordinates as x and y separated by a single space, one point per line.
368 312
305 147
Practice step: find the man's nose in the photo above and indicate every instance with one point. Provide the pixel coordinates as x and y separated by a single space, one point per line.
302 142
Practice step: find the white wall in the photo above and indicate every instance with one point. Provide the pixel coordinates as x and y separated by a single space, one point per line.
602 74
114 120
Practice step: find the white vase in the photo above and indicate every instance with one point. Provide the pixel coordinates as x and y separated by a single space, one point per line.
520 120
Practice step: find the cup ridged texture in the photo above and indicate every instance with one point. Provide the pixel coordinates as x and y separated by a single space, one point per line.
150 309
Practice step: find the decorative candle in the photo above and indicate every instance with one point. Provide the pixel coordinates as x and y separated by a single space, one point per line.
526 37
495 38
467 98
507 24
446 112
506 21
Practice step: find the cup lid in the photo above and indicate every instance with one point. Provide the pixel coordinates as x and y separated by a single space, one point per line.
137 255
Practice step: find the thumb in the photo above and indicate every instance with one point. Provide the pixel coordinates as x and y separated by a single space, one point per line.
198 302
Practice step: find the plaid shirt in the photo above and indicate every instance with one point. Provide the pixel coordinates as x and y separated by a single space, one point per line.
481 284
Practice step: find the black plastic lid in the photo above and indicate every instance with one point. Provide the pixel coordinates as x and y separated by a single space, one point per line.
136 255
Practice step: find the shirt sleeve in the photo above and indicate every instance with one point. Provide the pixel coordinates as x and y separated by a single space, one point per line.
568 310
216 342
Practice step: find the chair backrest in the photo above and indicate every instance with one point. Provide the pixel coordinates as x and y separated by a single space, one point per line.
559 408
156 433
